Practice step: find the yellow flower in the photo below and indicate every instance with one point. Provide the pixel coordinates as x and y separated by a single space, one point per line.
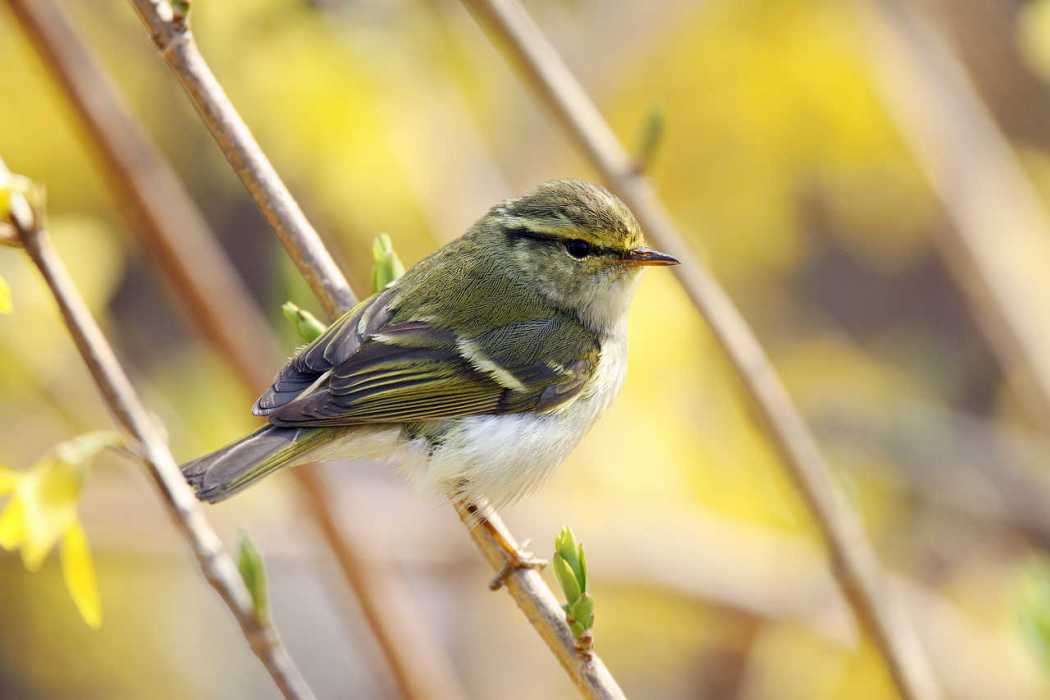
43 509
5 297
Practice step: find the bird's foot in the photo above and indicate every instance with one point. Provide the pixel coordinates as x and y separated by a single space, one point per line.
517 558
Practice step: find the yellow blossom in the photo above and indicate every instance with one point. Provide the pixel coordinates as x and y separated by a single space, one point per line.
5 297
43 509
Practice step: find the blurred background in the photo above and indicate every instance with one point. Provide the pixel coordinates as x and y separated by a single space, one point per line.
798 141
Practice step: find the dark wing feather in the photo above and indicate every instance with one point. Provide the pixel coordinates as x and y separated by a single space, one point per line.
414 371
333 347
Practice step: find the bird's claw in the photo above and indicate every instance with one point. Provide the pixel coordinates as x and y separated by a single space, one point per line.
516 559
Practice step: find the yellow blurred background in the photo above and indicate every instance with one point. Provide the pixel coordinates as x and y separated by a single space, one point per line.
783 164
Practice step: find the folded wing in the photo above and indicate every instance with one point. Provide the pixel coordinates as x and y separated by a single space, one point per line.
341 340
371 370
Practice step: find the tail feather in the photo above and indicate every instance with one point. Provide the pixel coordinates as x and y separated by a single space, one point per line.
224 472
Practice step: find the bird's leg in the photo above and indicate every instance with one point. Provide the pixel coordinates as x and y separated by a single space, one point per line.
516 556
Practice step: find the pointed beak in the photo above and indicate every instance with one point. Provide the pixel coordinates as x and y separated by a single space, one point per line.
646 256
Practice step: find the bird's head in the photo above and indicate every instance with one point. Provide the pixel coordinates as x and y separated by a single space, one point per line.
578 244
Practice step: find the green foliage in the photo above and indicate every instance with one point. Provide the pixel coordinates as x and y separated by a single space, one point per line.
1034 612
386 266
181 8
650 139
250 564
306 324
173 10
570 568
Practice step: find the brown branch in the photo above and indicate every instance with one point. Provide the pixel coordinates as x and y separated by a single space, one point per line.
119 395
492 538
163 211
201 275
853 560
304 246
996 248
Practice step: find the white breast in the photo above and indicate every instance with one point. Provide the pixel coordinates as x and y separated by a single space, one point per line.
504 457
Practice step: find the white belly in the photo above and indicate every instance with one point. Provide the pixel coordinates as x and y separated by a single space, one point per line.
504 457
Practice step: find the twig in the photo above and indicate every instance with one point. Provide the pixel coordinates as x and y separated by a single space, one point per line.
208 287
120 397
996 249
169 221
996 477
170 31
491 536
853 560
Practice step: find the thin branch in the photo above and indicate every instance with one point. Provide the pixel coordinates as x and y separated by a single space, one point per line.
420 668
170 31
119 395
996 249
491 536
163 211
536 600
997 471
202 276
853 560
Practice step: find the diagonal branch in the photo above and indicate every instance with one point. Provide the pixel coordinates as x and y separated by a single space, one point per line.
124 404
996 247
168 25
201 275
171 34
853 560
136 170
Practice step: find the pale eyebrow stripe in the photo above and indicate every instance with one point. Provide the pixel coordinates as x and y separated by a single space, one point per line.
541 234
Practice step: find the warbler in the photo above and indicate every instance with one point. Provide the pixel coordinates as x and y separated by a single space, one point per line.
478 370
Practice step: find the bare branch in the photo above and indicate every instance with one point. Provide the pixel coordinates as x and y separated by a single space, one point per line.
536 600
165 214
304 246
996 249
175 42
120 397
853 559
210 290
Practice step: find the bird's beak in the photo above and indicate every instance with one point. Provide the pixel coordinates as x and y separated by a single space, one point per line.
646 256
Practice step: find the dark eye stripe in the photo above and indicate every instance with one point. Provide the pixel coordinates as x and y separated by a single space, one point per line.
580 244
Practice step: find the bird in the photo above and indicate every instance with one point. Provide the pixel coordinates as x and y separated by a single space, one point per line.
477 371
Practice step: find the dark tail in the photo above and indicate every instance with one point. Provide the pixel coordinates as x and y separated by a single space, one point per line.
224 472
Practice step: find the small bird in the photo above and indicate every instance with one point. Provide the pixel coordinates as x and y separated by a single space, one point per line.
478 370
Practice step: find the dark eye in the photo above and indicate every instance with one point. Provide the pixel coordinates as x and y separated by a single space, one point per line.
577 248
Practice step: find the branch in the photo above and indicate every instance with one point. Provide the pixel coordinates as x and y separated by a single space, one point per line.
853 560
168 25
119 395
165 214
996 249
491 536
201 275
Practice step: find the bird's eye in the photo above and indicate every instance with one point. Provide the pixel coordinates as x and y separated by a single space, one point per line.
577 248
